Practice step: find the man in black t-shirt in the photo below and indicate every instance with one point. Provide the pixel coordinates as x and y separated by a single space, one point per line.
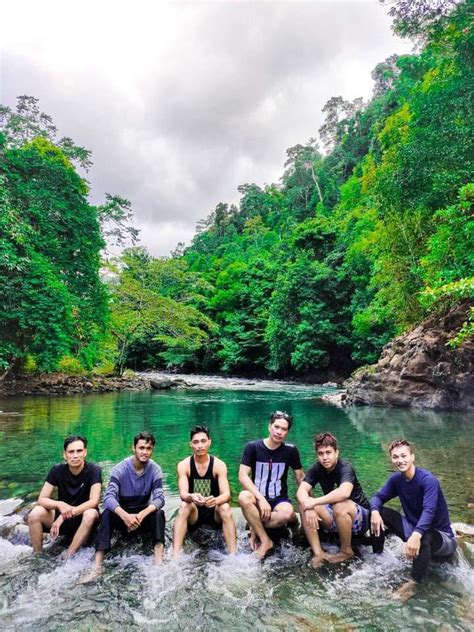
74 513
263 474
343 508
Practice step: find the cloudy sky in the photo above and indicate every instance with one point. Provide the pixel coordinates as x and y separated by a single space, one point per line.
180 102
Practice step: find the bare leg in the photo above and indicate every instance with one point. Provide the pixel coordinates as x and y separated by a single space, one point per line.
89 518
188 514
251 513
344 516
158 552
96 570
280 516
254 541
312 535
39 518
229 530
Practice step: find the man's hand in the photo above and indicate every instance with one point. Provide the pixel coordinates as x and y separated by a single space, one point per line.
54 531
198 499
309 503
66 511
376 523
412 545
265 509
132 521
312 519
210 501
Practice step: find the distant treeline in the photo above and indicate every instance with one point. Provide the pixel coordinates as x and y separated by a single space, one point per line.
312 274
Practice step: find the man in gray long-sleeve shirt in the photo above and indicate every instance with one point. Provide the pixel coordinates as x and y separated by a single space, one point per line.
133 501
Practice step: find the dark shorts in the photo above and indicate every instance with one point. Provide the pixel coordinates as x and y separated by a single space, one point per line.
206 516
360 524
68 527
273 502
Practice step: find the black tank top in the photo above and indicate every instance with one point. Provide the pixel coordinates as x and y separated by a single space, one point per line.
206 485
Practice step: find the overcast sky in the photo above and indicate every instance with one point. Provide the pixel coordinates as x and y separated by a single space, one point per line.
181 102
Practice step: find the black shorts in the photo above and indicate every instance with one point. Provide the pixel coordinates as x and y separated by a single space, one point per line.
206 516
69 527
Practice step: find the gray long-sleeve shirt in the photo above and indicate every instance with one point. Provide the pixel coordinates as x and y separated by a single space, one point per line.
134 492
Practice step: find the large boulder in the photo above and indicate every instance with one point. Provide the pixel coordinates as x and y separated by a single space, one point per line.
420 370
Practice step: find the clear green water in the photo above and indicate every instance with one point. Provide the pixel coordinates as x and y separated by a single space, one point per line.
205 590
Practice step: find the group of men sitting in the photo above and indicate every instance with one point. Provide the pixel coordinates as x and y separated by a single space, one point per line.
134 499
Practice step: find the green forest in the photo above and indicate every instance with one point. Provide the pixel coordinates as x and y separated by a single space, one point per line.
369 229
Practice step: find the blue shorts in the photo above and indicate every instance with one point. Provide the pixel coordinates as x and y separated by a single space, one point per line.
360 524
273 502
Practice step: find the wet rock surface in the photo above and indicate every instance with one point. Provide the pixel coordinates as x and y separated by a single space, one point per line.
420 370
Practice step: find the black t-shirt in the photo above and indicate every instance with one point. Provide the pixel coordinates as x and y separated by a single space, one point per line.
270 467
342 473
72 489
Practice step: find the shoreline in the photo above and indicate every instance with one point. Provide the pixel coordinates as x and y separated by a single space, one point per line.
52 384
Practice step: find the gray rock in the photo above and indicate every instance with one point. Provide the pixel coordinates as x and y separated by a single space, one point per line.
420 370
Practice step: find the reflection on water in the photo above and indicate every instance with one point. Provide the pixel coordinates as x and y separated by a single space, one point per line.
206 590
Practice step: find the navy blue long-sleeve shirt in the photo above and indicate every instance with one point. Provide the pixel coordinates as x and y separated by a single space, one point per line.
422 500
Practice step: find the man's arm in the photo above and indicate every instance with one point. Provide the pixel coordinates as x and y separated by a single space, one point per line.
430 501
343 492
157 496
45 500
220 470
303 495
384 494
244 477
299 475
111 500
92 503
183 485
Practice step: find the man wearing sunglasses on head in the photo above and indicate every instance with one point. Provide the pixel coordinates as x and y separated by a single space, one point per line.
263 474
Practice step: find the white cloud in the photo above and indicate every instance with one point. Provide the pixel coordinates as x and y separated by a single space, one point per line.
182 102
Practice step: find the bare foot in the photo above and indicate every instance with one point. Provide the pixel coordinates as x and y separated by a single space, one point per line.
253 540
265 547
317 561
337 558
91 576
406 591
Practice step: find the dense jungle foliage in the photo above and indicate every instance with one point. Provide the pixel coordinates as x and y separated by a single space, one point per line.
308 276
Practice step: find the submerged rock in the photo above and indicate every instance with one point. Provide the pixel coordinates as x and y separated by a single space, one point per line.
420 370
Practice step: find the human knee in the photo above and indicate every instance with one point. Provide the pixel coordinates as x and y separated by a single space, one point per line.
185 510
285 513
246 499
342 508
225 512
89 517
37 514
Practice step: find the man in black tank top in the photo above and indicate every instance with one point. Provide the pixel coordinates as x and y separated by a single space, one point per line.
204 490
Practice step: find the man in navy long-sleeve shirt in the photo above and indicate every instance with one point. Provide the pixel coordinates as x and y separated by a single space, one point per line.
425 528
133 501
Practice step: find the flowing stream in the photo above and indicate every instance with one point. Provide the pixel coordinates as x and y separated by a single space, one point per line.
205 589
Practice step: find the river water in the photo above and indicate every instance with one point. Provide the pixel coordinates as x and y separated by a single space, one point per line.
205 589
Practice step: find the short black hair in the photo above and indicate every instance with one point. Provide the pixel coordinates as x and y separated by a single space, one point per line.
325 440
73 438
144 436
280 414
197 430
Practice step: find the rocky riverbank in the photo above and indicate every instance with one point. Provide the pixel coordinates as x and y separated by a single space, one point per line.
420 370
60 384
